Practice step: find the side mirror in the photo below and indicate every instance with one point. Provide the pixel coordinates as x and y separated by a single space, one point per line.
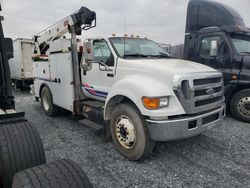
88 56
88 51
214 48
8 44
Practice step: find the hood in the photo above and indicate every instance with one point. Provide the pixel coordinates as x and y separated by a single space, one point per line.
167 66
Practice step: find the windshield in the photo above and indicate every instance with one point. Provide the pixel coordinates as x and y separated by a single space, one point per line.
137 48
241 43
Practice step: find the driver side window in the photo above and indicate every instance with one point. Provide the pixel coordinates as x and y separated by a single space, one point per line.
103 53
210 43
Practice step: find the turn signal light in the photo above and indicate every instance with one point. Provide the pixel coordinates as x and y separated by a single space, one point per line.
151 103
234 77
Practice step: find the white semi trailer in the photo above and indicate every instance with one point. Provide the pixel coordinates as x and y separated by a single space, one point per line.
128 87
21 63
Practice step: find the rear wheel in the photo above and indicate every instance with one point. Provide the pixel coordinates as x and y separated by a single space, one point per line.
47 103
60 173
20 148
130 133
240 105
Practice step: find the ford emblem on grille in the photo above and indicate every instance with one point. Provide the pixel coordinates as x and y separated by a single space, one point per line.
210 91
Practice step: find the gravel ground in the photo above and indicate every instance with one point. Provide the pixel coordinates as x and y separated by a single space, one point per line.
218 158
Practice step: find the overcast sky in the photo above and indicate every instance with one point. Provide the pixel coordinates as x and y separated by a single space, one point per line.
159 20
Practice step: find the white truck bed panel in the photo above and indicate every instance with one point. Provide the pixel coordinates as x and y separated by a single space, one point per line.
56 73
63 91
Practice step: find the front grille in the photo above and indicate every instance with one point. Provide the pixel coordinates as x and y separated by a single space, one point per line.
201 92
206 81
198 93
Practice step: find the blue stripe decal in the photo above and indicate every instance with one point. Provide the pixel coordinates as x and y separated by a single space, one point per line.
96 92
101 92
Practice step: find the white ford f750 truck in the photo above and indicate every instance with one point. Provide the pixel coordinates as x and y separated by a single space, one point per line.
127 86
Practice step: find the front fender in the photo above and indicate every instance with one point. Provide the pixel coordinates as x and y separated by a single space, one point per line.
136 87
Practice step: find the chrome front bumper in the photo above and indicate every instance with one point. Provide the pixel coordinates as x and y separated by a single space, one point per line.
184 127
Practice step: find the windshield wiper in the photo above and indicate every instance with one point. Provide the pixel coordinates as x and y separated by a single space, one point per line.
161 56
135 55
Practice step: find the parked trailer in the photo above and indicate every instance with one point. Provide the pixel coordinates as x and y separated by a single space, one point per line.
21 63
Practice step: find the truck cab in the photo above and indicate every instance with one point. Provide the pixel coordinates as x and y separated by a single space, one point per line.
216 36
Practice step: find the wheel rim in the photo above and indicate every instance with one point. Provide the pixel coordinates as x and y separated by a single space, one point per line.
244 106
45 102
125 132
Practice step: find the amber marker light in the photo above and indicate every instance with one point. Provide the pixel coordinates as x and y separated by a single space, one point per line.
153 103
234 77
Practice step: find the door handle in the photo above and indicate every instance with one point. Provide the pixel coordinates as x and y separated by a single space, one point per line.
110 75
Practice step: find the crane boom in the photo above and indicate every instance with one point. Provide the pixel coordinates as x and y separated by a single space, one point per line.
80 20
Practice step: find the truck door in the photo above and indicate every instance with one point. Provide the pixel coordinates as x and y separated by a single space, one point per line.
97 82
213 50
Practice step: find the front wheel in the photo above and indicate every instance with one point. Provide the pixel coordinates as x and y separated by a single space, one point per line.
130 133
47 103
240 105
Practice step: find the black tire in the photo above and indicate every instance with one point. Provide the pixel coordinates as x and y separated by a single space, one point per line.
143 145
240 105
60 173
47 104
20 148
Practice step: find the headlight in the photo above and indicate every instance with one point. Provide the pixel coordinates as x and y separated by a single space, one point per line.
153 103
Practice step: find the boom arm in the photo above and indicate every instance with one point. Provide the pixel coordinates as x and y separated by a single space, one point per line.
80 20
